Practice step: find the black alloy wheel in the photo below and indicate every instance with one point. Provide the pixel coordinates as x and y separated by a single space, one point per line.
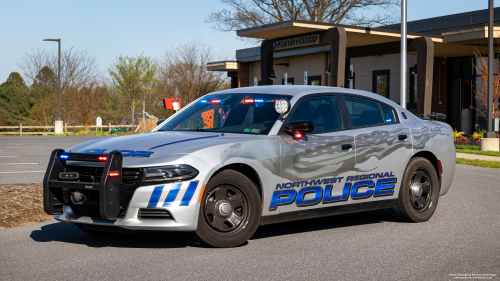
225 208
420 190
230 210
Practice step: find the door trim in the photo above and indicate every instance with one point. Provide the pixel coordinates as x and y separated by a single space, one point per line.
329 211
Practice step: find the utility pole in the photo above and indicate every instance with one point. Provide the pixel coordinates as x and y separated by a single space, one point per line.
58 129
491 58
403 55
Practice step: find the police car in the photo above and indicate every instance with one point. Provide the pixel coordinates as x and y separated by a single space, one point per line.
237 159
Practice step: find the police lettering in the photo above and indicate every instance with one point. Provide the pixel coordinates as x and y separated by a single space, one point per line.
357 190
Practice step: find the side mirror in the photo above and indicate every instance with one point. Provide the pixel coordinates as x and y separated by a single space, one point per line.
299 128
160 121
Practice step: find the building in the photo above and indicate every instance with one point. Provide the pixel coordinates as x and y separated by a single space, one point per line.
441 61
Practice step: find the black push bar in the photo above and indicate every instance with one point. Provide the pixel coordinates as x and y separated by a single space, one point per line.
108 187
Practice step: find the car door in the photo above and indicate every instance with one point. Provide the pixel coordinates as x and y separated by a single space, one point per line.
383 148
315 166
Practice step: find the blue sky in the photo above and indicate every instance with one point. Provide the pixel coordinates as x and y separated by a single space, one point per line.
109 28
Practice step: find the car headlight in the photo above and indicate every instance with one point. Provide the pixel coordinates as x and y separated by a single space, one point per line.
153 175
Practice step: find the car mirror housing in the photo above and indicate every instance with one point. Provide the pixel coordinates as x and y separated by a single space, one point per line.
160 121
299 128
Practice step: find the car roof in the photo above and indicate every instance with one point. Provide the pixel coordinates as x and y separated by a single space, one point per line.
299 91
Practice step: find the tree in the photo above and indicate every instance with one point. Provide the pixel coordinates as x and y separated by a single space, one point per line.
15 100
481 87
45 87
133 78
185 67
15 79
40 72
86 99
76 65
251 13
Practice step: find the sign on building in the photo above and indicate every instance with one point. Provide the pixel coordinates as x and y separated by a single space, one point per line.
296 42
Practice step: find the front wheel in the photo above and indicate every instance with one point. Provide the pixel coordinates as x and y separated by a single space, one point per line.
419 192
230 211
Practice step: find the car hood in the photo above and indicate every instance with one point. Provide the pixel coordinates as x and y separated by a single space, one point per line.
160 144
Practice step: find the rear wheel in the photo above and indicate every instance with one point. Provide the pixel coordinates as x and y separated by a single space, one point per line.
230 211
419 192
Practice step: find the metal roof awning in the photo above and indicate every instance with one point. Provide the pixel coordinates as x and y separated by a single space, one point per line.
222 66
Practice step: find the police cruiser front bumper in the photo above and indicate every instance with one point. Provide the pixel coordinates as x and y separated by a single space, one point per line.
171 206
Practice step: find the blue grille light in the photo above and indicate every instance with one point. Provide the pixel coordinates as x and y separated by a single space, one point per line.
258 100
203 101
64 156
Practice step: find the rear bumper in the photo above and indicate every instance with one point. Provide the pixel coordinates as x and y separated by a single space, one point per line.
447 155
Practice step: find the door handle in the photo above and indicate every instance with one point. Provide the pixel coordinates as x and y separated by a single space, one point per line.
346 146
402 137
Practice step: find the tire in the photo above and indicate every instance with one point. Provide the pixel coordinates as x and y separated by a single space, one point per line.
419 192
230 211
97 230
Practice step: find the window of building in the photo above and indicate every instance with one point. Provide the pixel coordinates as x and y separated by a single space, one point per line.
314 80
323 111
289 81
363 112
380 82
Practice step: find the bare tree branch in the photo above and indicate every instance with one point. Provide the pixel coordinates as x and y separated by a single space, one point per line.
251 13
185 67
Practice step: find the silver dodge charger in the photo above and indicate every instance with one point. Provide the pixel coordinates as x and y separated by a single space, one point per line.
236 159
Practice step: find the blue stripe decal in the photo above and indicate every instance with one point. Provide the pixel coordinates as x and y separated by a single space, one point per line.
155 196
172 194
189 193
186 140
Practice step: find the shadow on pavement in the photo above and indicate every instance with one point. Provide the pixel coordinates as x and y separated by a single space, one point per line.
68 233
317 224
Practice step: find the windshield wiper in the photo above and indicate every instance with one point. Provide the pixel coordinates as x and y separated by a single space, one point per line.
205 130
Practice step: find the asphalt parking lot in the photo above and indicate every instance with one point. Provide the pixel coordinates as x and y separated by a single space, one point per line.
25 159
461 238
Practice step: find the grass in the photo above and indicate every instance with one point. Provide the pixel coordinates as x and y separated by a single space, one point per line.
474 149
480 163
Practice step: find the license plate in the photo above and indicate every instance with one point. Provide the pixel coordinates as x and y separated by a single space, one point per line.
68 175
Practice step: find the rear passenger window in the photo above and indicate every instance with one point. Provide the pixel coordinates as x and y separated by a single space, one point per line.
323 111
363 112
388 114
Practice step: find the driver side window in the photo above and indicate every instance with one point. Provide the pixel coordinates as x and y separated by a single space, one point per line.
323 111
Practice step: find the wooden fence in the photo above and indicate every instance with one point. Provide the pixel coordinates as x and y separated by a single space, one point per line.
20 128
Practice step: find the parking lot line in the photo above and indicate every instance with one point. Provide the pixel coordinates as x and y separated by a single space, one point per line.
22 172
18 163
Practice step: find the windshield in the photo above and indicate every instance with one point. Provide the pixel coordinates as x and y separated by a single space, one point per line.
229 113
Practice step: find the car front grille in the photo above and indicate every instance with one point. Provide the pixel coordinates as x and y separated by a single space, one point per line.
154 214
90 208
130 176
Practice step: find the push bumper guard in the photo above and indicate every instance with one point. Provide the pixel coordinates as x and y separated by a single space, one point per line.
55 191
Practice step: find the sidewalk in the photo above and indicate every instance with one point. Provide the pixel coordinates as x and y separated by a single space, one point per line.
478 157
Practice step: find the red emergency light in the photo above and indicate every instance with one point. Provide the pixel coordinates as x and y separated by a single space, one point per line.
168 103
